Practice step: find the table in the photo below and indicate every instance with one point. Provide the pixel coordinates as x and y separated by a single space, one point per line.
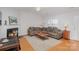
66 34
42 35
11 44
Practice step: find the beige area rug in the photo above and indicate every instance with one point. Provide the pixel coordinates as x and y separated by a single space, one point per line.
42 45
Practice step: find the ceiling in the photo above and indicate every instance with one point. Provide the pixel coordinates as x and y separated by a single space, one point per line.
57 10
45 11
51 11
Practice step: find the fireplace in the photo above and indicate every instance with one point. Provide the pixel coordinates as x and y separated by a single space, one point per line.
11 43
13 32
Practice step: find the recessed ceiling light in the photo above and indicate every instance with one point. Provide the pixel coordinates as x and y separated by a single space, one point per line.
37 8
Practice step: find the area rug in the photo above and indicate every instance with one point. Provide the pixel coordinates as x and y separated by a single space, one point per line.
42 45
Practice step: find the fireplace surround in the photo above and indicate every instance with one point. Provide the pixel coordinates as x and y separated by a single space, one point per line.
12 32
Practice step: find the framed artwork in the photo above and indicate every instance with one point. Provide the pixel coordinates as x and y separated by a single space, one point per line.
0 18
0 22
12 20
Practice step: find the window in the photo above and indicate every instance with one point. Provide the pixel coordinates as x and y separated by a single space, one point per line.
52 22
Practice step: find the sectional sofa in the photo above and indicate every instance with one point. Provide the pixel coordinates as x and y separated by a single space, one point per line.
53 32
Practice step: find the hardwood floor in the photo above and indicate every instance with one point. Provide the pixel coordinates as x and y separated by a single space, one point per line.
25 46
65 45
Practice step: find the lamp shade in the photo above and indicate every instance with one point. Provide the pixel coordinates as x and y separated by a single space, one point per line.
37 8
66 26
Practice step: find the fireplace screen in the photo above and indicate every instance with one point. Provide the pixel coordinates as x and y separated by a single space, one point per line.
13 32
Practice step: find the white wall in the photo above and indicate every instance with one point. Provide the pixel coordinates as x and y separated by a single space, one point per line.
29 19
72 19
25 19
5 13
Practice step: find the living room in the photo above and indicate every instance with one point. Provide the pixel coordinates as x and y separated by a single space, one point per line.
63 18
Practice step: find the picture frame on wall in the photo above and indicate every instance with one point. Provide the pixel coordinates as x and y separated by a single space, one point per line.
0 18
12 20
0 22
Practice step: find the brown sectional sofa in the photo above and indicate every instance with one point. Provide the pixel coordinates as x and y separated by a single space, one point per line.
53 32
